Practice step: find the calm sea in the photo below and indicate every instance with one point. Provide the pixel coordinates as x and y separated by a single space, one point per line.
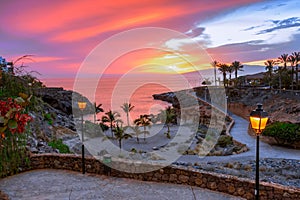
113 91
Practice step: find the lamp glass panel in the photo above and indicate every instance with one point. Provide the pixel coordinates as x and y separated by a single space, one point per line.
81 105
263 123
255 122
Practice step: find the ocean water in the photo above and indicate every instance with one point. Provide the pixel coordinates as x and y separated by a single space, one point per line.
114 90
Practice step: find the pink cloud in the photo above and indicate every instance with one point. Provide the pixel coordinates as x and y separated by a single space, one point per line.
61 33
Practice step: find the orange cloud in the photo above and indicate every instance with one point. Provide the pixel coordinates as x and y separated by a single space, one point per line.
75 20
84 33
128 19
143 14
260 62
41 17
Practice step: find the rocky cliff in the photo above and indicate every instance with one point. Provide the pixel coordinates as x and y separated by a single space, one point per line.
53 117
283 106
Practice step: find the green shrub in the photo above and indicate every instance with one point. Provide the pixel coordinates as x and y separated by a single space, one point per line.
285 132
58 144
13 154
225 140
133 150
48 117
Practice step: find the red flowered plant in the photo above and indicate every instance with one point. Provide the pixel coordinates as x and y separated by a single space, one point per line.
13 116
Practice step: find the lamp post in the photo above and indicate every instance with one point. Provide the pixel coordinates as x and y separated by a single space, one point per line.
205 91
258 120
82 105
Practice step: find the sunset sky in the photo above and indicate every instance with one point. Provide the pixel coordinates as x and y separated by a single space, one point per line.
60 34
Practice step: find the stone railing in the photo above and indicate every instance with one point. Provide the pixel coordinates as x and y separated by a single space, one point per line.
171 174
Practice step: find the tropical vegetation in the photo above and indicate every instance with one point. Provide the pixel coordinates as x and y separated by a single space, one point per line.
168 117
281 73
13 135
145 122
127 108
98 109
111 117
17 98
120 134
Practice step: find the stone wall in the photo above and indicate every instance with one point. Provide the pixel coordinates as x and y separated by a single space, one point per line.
171 174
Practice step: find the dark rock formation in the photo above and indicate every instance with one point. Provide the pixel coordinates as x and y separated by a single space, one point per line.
53 116
169 97
61 99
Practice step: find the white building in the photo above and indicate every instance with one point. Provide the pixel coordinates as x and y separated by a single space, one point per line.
6 66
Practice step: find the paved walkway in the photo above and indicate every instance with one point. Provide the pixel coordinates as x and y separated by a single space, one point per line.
240 133
61 185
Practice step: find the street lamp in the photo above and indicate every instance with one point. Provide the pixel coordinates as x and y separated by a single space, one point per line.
82 105
258 120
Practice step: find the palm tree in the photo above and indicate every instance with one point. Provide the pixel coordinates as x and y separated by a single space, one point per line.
280 71
120 134
269 67
144 121
98 109
296 55
230 69
111 118
297 76
168 116
284 58
292 60
223 68
237 66
136 131
127 107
